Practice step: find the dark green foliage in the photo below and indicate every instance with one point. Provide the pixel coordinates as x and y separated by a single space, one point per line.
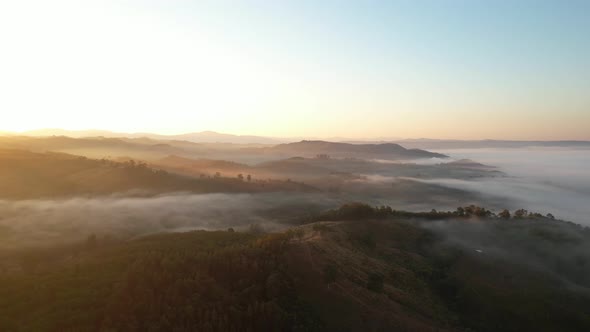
198 281
505 214
352 211
368 240
521 213
362 211
534 279
330 273
375 282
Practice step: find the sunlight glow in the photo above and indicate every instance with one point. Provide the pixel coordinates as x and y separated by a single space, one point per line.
183 66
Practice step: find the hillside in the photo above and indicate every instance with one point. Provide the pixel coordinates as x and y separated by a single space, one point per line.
26 175
385 150
197 167
111 147
146 148
98 147
392 274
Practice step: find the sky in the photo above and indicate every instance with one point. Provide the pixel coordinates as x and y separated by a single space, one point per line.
461 69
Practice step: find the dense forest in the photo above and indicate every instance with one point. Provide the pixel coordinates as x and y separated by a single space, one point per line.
369 271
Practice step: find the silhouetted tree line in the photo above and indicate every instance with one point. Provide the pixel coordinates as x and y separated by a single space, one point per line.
357 210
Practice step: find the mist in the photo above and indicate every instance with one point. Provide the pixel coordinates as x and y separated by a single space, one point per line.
545 180
560 250
45 222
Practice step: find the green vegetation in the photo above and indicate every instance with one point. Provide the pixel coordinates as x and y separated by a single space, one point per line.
375 274
362 211
205 281
29 175
375 282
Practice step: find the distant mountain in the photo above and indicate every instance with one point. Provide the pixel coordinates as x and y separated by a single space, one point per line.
385 150
482 144
197 137
71 133
97 147
214 137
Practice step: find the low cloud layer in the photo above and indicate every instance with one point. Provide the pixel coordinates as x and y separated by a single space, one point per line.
553 181
560 250
52 221
547 180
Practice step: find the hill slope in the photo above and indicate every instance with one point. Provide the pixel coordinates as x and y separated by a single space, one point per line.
358 275
385 150
26 175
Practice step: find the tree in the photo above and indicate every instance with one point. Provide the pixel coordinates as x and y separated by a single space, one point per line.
241 177
505 214
249 177
521 213
481 212
355 210
460 211
550 216
330 273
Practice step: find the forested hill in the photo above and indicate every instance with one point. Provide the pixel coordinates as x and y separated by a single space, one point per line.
385 150
392 274
27 175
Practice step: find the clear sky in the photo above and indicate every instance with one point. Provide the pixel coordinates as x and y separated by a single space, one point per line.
466 69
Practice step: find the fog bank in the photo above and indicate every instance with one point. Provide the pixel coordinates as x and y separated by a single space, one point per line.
547 180
558 249
51 221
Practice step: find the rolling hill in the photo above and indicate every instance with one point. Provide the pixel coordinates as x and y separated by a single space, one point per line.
384 151
358 274
198 167
26 175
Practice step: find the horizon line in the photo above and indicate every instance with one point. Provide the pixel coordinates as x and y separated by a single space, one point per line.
325 138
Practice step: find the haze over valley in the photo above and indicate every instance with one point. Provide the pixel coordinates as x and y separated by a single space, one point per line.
92 195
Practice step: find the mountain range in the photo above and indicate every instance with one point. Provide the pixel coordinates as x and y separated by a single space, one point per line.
216 137
196 137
